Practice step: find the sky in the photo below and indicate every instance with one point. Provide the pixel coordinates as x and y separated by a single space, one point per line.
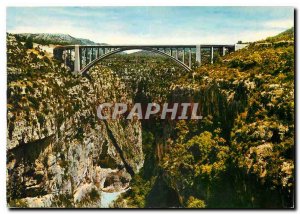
153 25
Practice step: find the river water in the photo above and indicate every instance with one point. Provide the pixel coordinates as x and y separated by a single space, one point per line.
108 197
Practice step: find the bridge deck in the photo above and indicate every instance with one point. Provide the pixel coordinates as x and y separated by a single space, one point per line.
150 46
81 57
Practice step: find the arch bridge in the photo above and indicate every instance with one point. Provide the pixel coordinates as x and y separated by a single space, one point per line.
80 58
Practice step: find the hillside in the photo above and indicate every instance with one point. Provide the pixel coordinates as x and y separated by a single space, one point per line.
58 153
287 35
240 155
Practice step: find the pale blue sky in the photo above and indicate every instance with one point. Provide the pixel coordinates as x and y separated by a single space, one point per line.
153 25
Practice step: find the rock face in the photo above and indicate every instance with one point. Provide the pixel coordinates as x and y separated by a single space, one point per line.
59 154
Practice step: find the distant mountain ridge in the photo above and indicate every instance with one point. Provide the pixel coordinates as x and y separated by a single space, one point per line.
56 39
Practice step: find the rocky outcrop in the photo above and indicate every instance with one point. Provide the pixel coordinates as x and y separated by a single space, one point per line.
59 154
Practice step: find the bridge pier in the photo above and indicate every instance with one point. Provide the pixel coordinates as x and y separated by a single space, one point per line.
80 58
176 53
223 51
96 53
86 56
183 53
64 56
198 54
92 51
190 58
212 55
77 60
90 55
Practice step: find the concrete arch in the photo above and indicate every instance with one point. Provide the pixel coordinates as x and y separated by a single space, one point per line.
92 63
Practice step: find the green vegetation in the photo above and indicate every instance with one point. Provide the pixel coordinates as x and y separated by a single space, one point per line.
242 153
195 203
287 35
29 43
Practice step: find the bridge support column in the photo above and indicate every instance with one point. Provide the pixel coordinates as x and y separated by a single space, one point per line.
65 57
92 58
212 55
223 51
190 58
77 60
80 58
198 54
91 55
86 56
176 53
183 53
69 56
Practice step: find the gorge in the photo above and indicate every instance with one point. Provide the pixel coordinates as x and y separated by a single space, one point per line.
241 154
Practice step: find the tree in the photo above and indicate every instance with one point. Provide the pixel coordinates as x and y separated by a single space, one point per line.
29 43
195 203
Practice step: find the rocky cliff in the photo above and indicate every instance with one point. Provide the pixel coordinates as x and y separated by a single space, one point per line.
59 154
240 155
